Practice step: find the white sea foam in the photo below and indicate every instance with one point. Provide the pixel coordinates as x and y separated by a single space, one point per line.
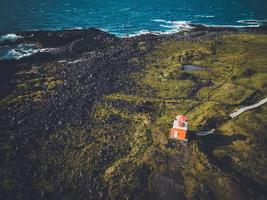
233 26
124 9
18 53
142 32
10 37
204 16
22 50
171 27
177 25
78 28
146 32
253 21
159 20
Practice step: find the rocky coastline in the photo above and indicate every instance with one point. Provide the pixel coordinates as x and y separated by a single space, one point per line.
88 118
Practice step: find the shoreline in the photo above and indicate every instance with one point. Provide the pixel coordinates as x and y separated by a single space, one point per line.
23 39
91 116
185 26
172 26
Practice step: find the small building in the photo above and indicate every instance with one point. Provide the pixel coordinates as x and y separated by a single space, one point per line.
179 129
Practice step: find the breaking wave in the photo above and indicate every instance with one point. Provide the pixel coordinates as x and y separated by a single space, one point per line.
168 27
19 51
10 37
253 22
204 16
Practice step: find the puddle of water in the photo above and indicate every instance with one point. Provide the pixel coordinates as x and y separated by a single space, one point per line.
193 68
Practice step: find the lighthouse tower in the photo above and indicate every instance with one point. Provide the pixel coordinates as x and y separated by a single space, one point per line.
179 129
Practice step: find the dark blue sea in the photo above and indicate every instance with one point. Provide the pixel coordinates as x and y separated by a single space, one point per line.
128 17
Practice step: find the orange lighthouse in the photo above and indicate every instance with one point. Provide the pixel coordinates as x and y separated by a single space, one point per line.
179 129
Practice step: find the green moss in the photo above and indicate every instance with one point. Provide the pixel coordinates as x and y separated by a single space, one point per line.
142 46
230 93
31 89
22 85
204 181
35 97
247 156
51 84
239 56
8 184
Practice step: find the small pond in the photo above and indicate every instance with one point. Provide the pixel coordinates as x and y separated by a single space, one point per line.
193 68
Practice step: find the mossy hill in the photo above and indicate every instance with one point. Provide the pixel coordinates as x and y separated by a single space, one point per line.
90 118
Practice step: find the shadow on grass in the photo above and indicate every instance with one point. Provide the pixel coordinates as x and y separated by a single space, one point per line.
207 144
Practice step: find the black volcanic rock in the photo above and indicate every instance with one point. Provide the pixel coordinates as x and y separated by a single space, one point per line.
51 39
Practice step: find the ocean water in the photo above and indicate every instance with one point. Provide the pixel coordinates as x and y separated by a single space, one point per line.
128 17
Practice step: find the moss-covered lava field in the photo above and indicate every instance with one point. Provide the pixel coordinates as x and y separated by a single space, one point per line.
90 118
